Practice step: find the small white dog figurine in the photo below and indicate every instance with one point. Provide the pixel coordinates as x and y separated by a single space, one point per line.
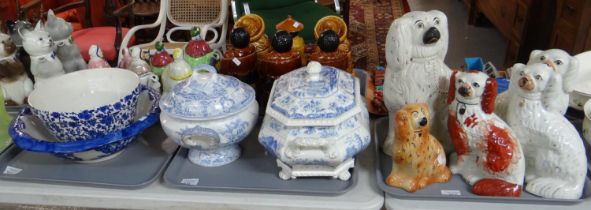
554 152
416 46
555 98
40 46
489 156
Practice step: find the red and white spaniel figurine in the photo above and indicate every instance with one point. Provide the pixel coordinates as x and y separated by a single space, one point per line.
489 156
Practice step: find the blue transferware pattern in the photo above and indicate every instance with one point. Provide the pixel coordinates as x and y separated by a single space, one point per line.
347 139
91 149
296 97
91 123
207 95
215 157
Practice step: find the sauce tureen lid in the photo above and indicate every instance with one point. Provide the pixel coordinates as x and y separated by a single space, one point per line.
314 95
207 95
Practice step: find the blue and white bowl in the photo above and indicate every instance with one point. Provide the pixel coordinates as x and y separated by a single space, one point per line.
90 114
209 114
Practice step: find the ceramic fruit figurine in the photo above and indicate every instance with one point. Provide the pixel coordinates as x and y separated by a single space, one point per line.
328 52
240 59
16 86
556 99
338 25
40 46
197 51
418 158
96 58
160 59
177 71
416 45
21 53
255 26
315 122
4 122
488 154
554 151
67 51
276 63
293 27
209 114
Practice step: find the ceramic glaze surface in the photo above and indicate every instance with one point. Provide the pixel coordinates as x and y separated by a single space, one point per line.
209 114
207 95
556 164
86 104
587 122
96 58
14 82
315 121
488 154
418 158
305 95
416 46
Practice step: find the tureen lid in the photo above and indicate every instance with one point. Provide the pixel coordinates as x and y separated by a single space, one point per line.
207 95
314 95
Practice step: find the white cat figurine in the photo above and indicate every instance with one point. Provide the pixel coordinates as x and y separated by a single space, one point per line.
40 46
96 58
556 164
67 51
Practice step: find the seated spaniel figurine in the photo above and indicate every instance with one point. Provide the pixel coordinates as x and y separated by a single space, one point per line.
553 149
418 158
489 156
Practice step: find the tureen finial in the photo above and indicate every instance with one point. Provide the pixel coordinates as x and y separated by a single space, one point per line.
313 70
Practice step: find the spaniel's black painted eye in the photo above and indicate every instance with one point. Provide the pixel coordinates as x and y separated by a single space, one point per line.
420 24
543 58
538 77
40 39
558 62
437 21
475 84
521 73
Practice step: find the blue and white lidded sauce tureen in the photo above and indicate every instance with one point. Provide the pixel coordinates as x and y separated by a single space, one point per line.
315 122
209 114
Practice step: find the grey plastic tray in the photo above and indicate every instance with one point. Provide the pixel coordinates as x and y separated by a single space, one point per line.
140 164
253 171
456 189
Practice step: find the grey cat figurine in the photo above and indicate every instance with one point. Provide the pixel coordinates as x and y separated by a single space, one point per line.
21 54
67 51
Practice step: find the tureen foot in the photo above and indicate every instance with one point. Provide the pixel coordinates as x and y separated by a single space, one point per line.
215 157
292 172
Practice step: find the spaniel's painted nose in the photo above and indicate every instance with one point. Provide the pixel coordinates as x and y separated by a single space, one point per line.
431 36
464 91
423 121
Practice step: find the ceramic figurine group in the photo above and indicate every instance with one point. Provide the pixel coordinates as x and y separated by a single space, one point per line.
32 55
531 143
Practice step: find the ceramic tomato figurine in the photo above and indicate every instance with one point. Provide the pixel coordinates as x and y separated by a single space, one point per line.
160 59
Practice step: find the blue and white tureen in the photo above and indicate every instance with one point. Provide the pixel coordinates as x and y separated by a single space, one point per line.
316 122
209 114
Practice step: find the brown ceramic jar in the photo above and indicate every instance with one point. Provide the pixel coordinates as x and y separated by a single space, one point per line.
281 60
339 26
328 53
240 59
255 26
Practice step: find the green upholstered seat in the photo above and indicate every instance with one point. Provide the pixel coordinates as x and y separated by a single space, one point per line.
306 12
